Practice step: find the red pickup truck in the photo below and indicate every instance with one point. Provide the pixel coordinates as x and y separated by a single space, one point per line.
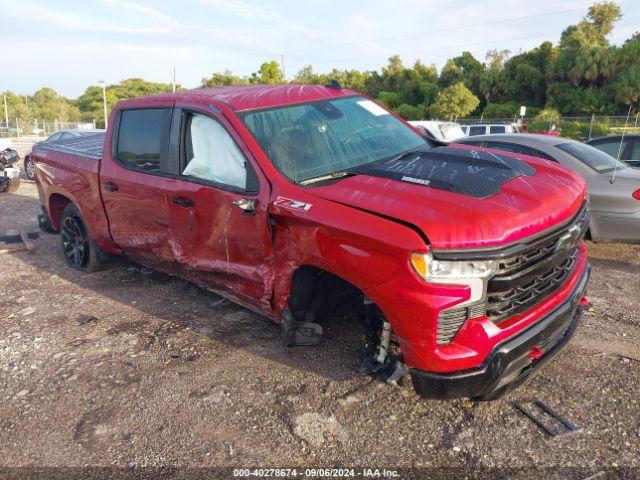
298 201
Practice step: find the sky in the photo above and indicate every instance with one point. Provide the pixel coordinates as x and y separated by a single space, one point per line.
70 45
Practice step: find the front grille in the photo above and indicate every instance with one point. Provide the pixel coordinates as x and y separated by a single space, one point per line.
526 279
504 304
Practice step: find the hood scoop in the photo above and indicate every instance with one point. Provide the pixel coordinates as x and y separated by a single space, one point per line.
475 173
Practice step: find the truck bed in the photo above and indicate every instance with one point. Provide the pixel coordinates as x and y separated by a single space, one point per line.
88 146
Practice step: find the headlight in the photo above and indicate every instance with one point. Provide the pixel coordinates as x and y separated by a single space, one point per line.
473 273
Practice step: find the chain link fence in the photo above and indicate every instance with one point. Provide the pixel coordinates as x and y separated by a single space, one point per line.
612 121
580 128
39 128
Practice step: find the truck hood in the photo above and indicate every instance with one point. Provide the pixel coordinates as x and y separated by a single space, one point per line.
464 197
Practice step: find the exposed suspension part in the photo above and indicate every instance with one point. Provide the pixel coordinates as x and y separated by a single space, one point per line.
379 362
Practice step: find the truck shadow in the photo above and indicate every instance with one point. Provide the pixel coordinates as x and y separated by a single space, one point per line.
155 296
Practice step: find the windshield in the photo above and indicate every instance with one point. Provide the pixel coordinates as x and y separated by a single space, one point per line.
451 131
592 157
314 139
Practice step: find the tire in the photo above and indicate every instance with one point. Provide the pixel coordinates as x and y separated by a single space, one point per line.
29 168
9 185
79 250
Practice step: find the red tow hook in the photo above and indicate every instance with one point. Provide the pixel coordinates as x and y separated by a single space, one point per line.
584 301
535 352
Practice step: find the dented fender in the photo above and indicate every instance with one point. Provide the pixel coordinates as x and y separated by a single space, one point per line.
361 248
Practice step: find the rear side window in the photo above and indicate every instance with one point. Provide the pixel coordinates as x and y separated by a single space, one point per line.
611 147
592 157
476 131
635 151
497 129
140 137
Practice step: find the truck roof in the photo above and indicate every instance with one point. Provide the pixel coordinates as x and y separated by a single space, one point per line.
250 97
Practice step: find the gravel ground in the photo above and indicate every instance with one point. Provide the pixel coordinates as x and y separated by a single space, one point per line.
129 369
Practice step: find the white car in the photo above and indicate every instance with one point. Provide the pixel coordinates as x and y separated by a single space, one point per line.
488 129
442 131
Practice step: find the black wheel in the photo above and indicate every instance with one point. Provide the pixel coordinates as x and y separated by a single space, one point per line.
29 168
80 251
9 185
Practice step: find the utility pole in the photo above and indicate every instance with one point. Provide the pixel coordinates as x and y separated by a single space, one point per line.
173 82
6 111
284 76
104 101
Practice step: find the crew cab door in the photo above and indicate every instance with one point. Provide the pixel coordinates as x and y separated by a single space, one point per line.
218 208
133 181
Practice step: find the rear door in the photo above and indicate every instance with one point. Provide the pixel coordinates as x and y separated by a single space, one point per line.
218 208
134 178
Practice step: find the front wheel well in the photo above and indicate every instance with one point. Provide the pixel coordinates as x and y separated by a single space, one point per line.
316 294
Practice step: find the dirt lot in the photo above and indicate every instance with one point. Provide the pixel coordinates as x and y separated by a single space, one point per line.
170 375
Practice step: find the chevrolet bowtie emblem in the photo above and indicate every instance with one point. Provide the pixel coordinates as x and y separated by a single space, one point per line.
569 239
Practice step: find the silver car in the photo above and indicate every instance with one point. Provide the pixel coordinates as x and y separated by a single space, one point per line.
614 187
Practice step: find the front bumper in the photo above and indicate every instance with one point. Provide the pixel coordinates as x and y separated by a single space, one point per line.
509 363
10 172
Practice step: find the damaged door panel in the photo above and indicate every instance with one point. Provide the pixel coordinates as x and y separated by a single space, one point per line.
133 185
218 209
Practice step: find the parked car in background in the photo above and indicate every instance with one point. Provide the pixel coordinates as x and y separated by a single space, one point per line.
615 207
437 130
629 151
488 129
29 167
303 202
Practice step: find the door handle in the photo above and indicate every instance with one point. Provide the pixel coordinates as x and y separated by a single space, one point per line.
183 202
247 205
110 186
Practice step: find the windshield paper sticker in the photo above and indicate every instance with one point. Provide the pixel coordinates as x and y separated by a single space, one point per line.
292 204
371 107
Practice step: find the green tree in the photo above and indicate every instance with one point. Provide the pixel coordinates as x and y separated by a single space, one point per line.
390 99
594 28
90 102
269 73
626 86
450 74
225 78
410 112
492 80
453 102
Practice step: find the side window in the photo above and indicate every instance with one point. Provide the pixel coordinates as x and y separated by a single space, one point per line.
211 154
140 138
497 129
510 147
610 148
506 147
635 151
476 130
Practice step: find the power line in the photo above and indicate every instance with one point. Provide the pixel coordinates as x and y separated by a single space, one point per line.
423 32
504 41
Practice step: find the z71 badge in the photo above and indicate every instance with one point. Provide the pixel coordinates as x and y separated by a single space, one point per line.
292 204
